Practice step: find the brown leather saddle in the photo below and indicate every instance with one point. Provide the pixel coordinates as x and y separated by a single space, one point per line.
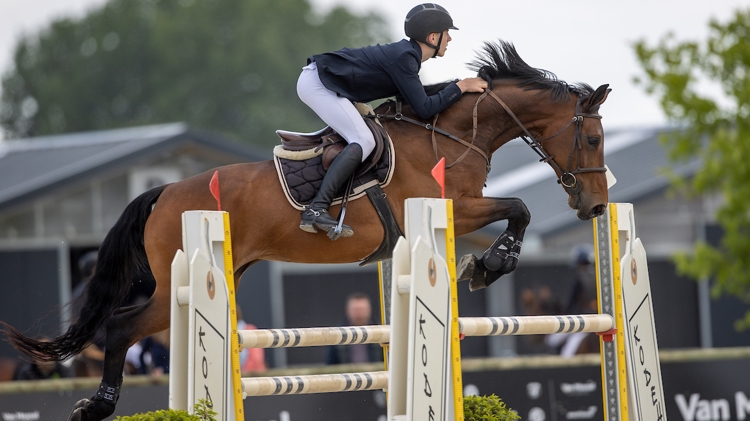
303 158
333 143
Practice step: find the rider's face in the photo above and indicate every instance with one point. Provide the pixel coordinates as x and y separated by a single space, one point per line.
443 44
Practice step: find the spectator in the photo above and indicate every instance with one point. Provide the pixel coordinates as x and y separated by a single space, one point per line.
358 313
42 370
155 354
133 359
251 359
582 300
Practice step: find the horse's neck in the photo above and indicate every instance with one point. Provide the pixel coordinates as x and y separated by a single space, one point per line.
533 110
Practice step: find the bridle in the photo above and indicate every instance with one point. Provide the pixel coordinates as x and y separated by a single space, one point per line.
567 178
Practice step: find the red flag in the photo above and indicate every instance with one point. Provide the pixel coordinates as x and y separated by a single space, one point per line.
438 173
214 187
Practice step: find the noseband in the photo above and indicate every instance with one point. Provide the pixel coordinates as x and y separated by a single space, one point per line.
568 177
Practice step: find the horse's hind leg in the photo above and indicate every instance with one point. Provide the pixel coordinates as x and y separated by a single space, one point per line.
502 256
123 330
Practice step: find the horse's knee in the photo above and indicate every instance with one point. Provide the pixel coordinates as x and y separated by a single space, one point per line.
521 214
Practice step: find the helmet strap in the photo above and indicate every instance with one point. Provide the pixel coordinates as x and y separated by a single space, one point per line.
436 47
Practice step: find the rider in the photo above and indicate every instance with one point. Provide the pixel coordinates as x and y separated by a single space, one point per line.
331 82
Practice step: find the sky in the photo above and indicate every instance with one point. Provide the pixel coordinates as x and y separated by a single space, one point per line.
586 41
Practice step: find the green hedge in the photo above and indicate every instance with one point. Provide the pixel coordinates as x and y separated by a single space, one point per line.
476 408
487 408
203 412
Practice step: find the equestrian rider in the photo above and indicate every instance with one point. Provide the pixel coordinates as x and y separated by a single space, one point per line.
331 82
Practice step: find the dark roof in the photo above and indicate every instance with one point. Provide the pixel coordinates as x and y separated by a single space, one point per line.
634 156
31 167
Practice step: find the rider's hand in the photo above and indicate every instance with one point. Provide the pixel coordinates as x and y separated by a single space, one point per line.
473 84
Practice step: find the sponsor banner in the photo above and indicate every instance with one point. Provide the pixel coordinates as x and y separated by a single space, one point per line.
716 390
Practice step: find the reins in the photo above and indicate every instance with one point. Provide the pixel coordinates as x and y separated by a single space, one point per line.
567 178
434 129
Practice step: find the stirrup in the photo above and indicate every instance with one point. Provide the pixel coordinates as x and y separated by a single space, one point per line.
333 228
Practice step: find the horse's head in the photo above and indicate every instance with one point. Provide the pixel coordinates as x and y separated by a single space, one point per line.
573 147
576 153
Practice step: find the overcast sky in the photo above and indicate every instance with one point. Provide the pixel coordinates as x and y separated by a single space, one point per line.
579 40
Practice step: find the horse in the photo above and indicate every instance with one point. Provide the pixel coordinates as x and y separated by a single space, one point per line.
560 122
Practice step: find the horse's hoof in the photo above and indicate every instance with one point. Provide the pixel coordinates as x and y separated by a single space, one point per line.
477 284
466 267
83 403
78 408
91 410
76 415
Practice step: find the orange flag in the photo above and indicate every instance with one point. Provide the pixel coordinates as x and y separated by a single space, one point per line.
438 173
214 187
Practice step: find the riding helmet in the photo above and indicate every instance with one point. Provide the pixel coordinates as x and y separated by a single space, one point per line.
426 18
582 254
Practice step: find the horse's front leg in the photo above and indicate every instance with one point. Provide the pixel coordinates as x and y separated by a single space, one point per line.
502 257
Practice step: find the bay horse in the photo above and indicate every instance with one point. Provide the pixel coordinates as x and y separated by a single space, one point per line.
522 101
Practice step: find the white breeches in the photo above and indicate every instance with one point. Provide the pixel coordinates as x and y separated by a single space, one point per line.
338 112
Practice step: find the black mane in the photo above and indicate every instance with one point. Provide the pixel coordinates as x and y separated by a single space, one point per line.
500 61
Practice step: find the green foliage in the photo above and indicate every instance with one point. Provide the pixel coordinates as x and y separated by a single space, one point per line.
225 65
705 86
203 412
487 408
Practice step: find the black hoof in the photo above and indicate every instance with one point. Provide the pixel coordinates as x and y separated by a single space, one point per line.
471 269
76 415
466 268
91 410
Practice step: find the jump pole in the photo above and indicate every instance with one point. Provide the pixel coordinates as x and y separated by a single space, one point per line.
635 352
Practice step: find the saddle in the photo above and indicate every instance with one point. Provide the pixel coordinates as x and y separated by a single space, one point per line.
303 158
332 143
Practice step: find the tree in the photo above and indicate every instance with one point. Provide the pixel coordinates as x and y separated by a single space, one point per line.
706 88
225 65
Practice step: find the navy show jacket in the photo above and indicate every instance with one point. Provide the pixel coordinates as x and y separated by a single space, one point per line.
380 71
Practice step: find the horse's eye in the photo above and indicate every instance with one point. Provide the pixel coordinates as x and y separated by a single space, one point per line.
594 140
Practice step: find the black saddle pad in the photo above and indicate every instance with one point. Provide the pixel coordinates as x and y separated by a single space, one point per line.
301 174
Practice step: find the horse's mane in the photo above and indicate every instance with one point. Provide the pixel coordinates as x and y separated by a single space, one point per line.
500 61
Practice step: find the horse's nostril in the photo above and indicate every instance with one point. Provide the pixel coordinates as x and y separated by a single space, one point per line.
597 211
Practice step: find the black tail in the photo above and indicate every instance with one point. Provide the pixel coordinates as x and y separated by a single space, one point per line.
121 252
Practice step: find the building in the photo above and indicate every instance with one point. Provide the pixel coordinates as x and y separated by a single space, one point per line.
59 195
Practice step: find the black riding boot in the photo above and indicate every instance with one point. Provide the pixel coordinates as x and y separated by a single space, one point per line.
316 215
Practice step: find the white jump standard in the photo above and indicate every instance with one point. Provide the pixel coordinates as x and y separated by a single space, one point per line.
424 349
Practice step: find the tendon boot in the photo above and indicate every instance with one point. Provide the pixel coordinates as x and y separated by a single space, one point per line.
316 215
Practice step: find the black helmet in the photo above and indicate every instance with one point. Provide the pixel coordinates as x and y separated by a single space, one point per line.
426 18
582 254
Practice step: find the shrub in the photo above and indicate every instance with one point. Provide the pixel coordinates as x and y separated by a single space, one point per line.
487 408
203 412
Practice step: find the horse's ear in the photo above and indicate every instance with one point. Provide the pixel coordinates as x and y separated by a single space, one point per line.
597 98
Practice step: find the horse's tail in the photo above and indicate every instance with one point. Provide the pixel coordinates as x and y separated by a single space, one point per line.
121 252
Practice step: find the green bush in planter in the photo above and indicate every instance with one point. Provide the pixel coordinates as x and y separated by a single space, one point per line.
487 408
203 412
